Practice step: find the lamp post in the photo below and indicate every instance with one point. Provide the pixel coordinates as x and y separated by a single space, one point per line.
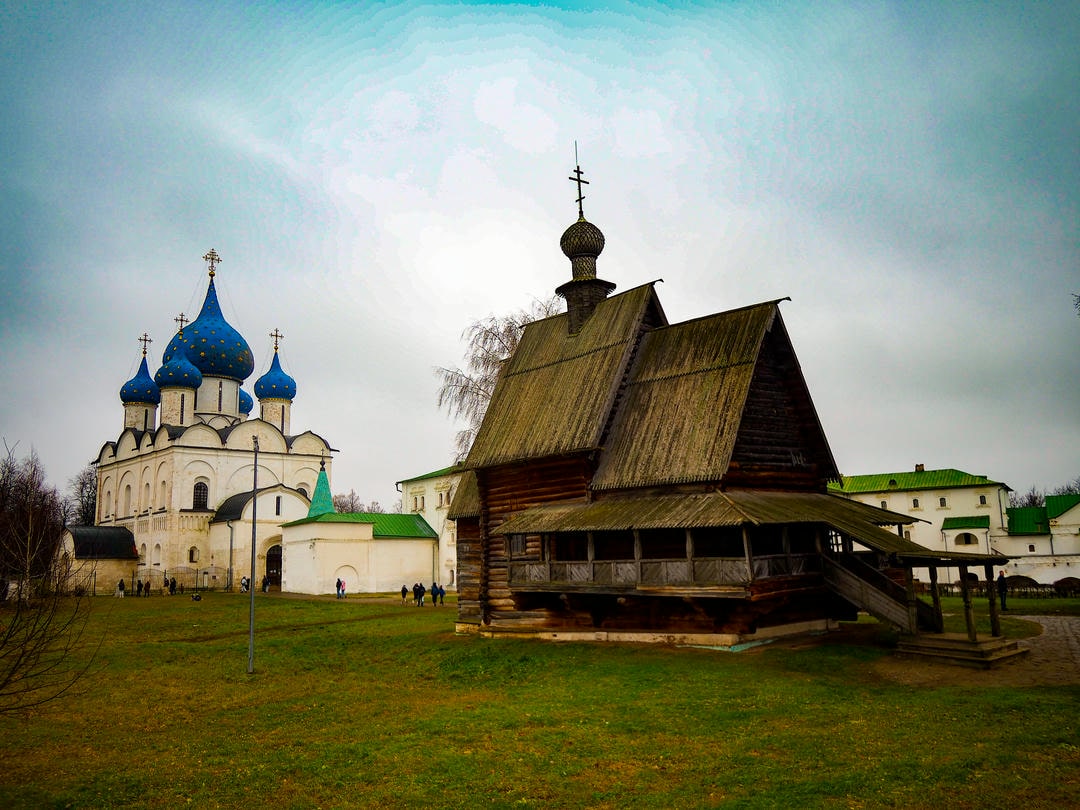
251 588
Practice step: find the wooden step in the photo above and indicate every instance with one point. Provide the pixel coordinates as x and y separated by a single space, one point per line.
955 648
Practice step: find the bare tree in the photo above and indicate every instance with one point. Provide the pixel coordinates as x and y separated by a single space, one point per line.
82 500
353 503
348 503
1033 497
465 393
1071 488
41 627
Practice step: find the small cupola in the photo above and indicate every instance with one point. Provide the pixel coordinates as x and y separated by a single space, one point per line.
141 395
582 243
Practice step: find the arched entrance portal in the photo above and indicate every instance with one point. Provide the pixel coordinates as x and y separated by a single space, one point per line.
273 566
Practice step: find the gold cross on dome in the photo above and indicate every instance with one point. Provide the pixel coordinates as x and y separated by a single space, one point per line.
213 260
145 340
180 319
277 336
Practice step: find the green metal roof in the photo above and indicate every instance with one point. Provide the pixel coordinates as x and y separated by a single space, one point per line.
455 468
1058 505
900 481
972 522
1028 520
385 525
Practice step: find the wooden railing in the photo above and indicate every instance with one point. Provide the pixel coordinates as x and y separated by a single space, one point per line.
632 573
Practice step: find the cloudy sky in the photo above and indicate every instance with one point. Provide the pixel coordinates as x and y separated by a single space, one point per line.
377 176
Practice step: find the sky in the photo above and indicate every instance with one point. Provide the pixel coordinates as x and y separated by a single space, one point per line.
376 177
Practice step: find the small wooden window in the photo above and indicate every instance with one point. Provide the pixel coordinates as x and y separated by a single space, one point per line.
941 502
914 503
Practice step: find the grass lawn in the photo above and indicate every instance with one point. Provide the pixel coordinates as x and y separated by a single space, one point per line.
364 703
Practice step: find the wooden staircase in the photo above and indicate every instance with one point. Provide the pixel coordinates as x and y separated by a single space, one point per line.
870 590
957 648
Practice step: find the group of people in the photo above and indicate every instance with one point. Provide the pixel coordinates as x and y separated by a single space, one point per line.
419 592
340 586
143 588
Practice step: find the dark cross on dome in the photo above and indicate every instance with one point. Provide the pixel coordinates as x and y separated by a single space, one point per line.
580 182
180 319
213 260
276 335
145 340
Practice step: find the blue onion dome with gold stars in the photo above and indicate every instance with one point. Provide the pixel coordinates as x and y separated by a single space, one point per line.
211 344
247 404
141 388
275 384
178 373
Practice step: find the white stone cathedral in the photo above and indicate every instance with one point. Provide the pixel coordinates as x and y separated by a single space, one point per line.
180 476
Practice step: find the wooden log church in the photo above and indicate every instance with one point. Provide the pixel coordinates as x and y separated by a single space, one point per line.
640 480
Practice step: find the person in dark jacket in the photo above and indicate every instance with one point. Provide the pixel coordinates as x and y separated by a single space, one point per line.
1002 586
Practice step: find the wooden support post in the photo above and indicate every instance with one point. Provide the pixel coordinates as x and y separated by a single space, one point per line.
991 591
935 595
969 614
912 610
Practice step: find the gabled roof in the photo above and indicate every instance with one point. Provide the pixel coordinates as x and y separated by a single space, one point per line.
385 525
916 480
103 543
972 522
684 413
555 394
1058 505
455 468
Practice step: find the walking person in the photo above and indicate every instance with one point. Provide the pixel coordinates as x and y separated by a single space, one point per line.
139 592
404 594
337 587
1002 586
120 589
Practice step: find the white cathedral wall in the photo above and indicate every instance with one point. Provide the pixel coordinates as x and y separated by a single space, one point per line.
165 476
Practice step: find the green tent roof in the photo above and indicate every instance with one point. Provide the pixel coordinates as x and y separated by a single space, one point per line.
322 502
900 481
385 525
972 522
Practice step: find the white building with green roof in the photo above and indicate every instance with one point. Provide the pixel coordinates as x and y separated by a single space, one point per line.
955 510
429 495
372 552
958 511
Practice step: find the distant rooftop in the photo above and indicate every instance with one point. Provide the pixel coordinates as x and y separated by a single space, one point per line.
913 480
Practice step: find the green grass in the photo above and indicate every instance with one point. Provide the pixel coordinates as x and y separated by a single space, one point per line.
368 704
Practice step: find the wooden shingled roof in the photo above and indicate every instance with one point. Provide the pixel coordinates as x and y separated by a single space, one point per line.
556 392
662 404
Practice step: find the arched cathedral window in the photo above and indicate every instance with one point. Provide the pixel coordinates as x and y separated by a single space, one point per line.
200 495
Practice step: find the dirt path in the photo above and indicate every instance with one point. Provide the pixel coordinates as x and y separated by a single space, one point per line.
1054 660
